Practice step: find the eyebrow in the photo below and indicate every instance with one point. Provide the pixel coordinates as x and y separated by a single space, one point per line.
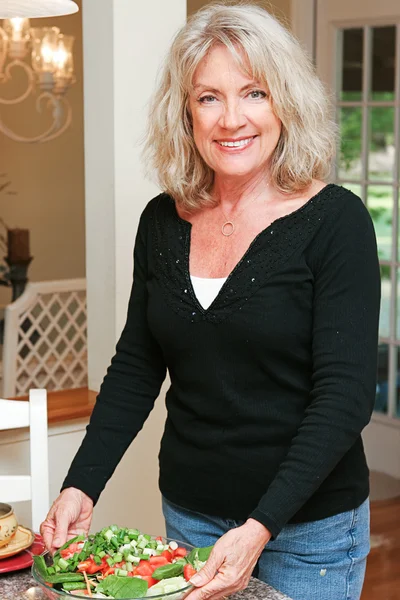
215 90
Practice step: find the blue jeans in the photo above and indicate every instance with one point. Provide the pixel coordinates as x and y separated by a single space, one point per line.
320 560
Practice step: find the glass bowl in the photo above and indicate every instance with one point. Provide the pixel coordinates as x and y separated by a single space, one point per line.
54 594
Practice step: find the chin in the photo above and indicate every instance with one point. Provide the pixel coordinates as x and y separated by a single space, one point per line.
236 171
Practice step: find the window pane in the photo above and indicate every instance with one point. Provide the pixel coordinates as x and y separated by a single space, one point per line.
383 62
350 143
380 206
381 143
397 394
352 66
398 228
355 188
384 317
382 385
398 306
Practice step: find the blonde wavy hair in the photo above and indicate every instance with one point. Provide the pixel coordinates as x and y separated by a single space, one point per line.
259 42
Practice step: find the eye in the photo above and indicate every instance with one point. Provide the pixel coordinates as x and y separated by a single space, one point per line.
257 94
207 99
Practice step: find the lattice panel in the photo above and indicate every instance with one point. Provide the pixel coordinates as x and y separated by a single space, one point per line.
51 346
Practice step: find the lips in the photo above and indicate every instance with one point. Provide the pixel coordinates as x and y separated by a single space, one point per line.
238 143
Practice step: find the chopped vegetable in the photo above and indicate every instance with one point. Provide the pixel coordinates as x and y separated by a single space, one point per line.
121 563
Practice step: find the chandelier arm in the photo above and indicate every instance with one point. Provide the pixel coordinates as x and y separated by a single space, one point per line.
67 114
56 128
3 53
7 76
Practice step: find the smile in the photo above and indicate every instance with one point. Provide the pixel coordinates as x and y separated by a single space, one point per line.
236 144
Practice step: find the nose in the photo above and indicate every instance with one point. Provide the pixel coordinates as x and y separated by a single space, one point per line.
232 117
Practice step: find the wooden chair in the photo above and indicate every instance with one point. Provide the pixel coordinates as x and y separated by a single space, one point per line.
45 342
15 414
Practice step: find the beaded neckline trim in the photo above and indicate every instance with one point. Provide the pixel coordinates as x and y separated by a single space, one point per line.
270 249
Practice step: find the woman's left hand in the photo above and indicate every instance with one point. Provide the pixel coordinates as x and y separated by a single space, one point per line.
231 562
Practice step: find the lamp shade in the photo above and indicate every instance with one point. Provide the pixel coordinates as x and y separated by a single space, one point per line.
36 8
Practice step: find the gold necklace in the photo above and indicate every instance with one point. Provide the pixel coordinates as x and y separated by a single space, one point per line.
229 226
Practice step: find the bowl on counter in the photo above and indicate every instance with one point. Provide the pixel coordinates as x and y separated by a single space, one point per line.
55 594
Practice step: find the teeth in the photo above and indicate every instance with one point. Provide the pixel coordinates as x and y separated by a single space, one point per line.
236 144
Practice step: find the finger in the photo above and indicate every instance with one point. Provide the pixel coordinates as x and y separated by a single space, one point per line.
212 591
207 573
217 587
47 533
61 530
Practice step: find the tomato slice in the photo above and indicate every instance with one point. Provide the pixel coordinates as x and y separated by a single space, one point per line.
71 550
158 561
144 569
180 552
84 565
150 580
168 555
90 566
188 572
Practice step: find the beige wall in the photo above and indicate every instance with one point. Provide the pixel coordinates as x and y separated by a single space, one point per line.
49 177
280 8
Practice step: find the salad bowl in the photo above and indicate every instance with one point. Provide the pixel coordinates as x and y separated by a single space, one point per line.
119 563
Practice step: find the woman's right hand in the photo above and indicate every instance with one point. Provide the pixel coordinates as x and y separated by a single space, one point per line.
70 515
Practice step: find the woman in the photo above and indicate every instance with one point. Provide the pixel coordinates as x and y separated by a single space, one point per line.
257 285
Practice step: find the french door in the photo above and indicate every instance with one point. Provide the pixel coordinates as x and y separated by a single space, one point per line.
358 56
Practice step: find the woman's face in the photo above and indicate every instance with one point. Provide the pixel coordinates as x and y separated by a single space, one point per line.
234 127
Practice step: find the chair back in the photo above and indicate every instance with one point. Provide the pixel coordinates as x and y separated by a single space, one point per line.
45 341
15 414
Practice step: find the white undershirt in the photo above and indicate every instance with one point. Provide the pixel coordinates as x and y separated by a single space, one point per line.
207 289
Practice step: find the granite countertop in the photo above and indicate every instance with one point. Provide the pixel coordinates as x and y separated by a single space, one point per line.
21 586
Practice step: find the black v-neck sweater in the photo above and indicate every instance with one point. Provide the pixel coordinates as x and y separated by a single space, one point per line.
271 386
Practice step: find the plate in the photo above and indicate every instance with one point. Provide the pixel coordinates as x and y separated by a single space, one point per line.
23 559
22 539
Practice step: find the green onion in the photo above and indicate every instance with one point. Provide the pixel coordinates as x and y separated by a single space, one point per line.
63 564
109 534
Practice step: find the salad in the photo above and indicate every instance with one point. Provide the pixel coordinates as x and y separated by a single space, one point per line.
121 563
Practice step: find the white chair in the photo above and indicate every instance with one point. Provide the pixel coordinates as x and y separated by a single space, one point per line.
45 343
15 414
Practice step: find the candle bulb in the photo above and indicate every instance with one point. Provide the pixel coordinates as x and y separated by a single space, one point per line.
18 245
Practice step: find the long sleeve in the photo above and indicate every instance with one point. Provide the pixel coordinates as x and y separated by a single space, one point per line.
127 393
344 349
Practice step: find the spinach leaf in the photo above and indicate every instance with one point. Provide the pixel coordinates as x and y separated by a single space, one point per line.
123 587
191 557
204 553
40 566
201 554
170 570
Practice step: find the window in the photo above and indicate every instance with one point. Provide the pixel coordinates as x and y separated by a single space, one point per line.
368 115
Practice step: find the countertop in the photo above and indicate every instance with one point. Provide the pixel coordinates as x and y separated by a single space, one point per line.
20 586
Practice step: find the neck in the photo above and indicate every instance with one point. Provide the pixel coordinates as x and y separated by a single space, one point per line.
232 192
